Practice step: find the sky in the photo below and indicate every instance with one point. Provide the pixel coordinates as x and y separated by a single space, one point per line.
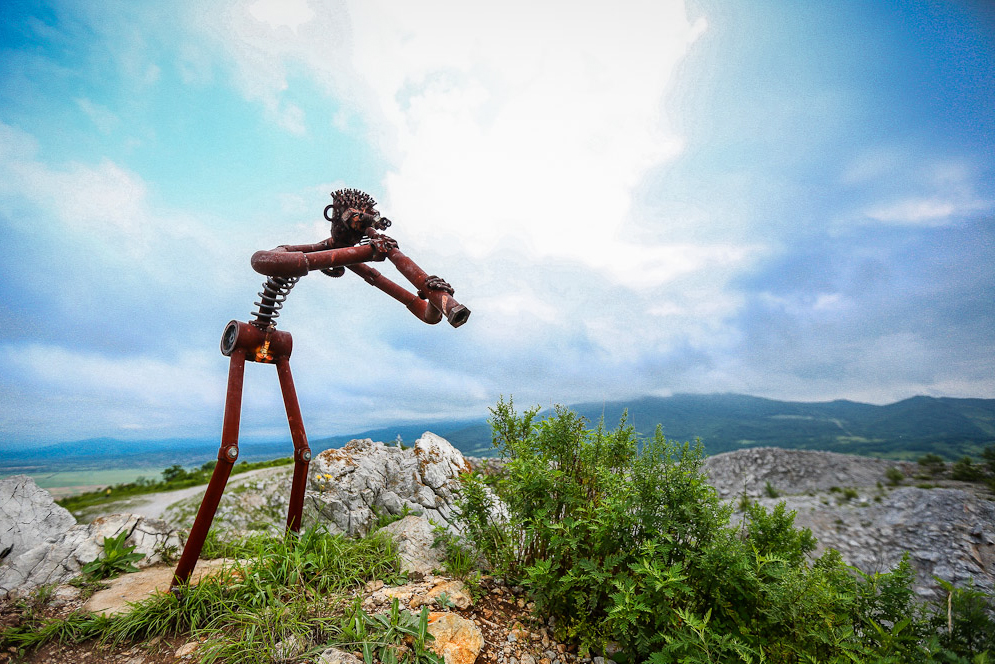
793 200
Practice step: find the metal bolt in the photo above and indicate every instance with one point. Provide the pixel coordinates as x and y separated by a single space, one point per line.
232 453
306 455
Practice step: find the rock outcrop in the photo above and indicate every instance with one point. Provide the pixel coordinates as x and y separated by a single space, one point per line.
48 553
349 487
848 504
28 516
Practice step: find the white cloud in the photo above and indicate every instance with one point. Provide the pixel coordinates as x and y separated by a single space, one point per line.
909 189
70 394
926 211
102 117
282 13
522 121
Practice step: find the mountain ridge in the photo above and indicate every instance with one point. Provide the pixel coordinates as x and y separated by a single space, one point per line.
949 426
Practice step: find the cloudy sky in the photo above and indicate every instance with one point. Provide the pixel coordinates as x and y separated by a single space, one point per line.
787 199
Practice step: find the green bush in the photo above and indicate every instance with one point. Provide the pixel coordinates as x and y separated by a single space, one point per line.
965 471
932 463
988 454
624 541
894 476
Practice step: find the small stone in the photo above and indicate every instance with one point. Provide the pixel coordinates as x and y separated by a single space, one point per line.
186 649
336 656
457 640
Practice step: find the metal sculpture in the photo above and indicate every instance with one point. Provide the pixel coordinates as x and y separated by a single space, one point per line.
355 240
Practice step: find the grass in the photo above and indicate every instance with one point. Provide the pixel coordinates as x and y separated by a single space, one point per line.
174 477
291 589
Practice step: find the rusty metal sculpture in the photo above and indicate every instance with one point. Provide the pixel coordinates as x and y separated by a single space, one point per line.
355 240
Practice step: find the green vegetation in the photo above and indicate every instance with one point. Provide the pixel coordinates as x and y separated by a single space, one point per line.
894 476
623 541
292 588
932 463
174 477
117 559
965 471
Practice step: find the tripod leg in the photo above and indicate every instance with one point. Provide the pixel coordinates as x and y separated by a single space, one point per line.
302 453
226 459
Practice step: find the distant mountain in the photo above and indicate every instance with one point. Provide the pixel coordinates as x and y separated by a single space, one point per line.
724 422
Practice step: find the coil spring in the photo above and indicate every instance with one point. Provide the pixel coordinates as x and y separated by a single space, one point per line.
271 299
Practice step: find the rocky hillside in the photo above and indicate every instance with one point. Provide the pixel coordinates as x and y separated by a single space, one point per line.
848 502
850 505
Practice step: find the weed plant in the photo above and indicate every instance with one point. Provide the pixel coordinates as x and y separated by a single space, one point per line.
625 541
115 560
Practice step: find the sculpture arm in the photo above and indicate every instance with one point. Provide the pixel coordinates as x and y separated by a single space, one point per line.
422 309
431 288
298 260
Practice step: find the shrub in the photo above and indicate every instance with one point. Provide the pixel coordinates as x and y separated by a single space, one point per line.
894 476
624 541
932 463
965 471
988 454
771 491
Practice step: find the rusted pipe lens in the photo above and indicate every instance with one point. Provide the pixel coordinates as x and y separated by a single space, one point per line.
228 338
458 315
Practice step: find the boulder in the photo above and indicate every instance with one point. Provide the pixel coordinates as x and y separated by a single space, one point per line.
349 487
28 517
948 533
47 555
414 538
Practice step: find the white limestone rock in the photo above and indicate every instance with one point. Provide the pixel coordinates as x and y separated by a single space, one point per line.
414 539
56 557
349 486
28 517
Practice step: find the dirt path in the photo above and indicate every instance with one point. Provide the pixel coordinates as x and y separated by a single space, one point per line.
153 505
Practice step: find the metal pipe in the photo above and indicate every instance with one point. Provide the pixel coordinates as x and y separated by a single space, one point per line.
302 452
285 262
227 455
423 309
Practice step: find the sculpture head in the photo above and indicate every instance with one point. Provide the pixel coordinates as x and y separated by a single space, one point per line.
352 212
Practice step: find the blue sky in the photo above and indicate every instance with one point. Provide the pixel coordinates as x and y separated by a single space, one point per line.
792 200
